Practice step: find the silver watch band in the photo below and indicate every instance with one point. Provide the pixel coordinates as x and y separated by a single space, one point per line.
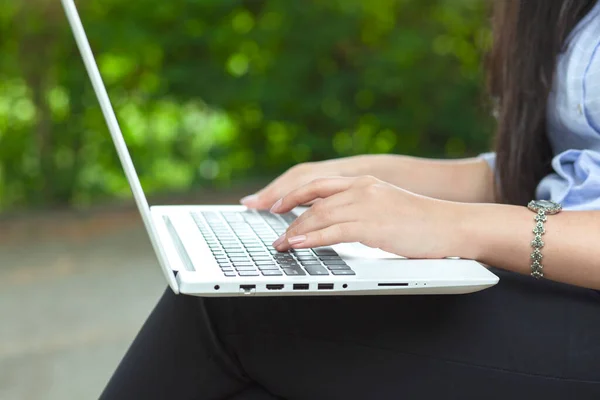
542 208
537 269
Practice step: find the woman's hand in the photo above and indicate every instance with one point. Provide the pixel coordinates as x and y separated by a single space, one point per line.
374 213
466 180
301 174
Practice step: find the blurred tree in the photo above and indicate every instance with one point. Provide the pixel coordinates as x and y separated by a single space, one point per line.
213 90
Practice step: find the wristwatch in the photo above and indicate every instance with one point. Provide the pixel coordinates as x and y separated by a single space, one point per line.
542 208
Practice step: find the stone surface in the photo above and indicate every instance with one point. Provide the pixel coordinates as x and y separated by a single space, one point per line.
71 300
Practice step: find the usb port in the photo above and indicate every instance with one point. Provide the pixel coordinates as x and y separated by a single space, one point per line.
325 286
274 287
300 286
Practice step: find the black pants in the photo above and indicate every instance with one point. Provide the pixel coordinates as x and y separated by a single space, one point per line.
522 339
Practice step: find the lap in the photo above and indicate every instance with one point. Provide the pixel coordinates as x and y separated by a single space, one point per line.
520 338
522 333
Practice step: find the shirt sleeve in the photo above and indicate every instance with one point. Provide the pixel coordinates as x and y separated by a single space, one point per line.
576 179
591 90
575 182
490 158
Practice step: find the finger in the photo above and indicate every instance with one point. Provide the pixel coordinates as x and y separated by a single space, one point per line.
279 187
265 198
324 218
346 232
323 206
320 220
318 188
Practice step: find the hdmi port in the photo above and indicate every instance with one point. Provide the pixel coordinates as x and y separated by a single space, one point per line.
274 287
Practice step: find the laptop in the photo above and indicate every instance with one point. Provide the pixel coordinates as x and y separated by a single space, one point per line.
222 250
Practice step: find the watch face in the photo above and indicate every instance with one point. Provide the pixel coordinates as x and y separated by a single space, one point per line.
549 206
545 204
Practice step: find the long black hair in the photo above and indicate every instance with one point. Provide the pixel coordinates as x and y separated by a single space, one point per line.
528 35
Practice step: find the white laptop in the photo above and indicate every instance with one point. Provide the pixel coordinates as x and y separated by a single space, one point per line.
226 250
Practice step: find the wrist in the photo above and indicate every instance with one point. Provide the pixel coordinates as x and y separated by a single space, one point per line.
483 230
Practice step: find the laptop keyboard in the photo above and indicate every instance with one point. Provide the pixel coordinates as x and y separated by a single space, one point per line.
241 244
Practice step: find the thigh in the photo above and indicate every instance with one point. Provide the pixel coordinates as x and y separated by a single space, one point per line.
521 338
176 355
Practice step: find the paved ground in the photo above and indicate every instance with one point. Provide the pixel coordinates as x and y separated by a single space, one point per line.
69 307
74 290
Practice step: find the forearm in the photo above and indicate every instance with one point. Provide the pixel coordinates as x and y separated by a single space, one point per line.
501 235
466 180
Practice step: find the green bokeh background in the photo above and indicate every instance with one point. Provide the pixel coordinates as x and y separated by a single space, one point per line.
211 93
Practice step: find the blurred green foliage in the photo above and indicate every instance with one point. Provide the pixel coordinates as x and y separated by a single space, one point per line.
214 91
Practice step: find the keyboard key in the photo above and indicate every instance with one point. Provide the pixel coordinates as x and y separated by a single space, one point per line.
267 267
283 256
262 258
229 269
337 267
316 270
303 252
264 262
239 258
325 251
247 238
232 245
293 272
306 258
258 252
285 259
287 264
264 230
243 263
343 272
271 272
334 262
230 274
330 257
248 268
310 262
252 243
235 251
249 273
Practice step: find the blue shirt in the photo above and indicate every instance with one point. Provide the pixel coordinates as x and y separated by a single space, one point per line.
573 121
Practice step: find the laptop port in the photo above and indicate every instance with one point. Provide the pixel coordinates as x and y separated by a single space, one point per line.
274 287
325 286
247 289
300 286
393 284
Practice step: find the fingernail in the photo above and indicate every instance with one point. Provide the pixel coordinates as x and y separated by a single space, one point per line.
249 199
279 240
276 206
297 239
